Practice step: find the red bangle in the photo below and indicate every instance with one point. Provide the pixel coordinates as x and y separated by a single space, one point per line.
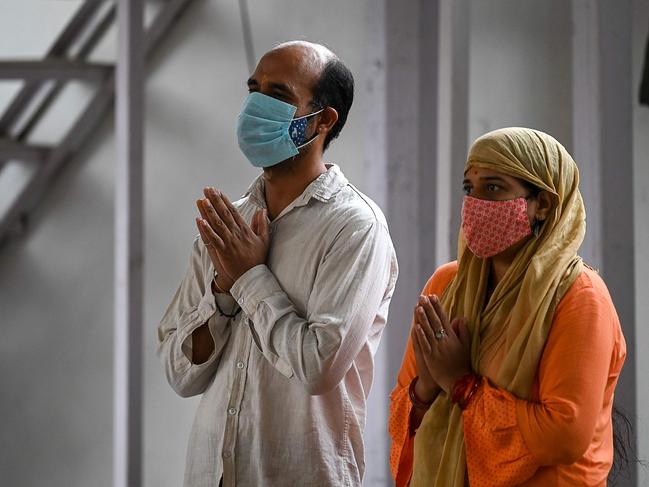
464 389
416 402
471 393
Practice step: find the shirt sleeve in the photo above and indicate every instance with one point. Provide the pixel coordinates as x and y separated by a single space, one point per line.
507 438
351 283
192 306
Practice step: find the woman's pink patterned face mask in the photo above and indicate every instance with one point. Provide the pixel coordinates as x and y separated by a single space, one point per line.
493 226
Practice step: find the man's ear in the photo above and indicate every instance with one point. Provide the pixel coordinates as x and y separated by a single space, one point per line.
326 121
544 205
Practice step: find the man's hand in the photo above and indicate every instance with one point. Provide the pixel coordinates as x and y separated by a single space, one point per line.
233 245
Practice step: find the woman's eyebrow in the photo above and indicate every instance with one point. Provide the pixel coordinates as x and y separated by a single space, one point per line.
493 178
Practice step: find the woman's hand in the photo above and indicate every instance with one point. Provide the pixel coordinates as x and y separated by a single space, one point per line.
444 346
426 389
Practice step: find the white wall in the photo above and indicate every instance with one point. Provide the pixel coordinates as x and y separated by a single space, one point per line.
520 67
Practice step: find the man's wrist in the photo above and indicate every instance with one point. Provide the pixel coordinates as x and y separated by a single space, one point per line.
219 288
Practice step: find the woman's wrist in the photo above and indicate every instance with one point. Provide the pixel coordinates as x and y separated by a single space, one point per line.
464 389
422 396
425 392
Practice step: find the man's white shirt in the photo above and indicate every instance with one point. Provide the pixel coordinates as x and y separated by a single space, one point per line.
285 390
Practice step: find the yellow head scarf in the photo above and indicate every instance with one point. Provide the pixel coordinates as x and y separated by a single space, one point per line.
516 320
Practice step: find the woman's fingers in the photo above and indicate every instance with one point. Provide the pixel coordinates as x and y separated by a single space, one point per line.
463 332
427 329
433 299
422 339
431 314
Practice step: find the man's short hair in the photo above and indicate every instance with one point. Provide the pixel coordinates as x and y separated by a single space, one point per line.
334 88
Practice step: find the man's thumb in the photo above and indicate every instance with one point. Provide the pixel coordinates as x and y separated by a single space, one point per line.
260 224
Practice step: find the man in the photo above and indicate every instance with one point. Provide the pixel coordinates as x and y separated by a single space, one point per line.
281 310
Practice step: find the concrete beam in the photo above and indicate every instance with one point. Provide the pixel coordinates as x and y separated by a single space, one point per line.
129 245
404 169
603 140
54 69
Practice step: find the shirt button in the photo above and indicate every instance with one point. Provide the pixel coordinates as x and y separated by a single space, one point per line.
240 365
232 411
227 454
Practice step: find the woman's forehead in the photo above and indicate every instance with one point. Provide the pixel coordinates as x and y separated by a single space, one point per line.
482 172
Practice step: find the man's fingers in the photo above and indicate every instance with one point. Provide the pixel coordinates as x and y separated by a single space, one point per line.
212 237
216 200
201 210
214 220
235 213
261 225
200 231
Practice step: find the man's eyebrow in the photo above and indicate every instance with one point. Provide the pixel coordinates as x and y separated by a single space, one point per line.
278 88
281 88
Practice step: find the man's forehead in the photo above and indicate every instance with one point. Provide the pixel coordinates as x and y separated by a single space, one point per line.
309 50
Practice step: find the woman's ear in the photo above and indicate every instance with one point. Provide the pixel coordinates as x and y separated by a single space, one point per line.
543 205
327 120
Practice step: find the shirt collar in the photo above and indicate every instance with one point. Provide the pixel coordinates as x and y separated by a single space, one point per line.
323 188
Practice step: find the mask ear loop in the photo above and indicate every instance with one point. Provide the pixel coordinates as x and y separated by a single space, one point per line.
308 141
309 115
316 134
537 224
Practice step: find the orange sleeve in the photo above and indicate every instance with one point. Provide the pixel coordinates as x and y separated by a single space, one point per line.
401 451
507 438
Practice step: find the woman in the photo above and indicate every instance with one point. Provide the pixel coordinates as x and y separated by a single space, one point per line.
516 348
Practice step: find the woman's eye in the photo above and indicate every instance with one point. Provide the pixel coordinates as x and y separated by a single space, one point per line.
493 187
467 190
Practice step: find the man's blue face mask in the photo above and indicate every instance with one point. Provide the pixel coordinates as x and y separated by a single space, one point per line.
267 132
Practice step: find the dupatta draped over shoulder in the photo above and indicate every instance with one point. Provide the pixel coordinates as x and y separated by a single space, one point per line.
508 332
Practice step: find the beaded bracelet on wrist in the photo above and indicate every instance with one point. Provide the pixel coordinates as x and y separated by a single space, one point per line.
220 290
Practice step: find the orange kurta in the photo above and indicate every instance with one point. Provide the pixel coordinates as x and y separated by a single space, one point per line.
562 436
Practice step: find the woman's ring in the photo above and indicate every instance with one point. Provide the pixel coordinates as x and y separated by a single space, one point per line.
440 334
